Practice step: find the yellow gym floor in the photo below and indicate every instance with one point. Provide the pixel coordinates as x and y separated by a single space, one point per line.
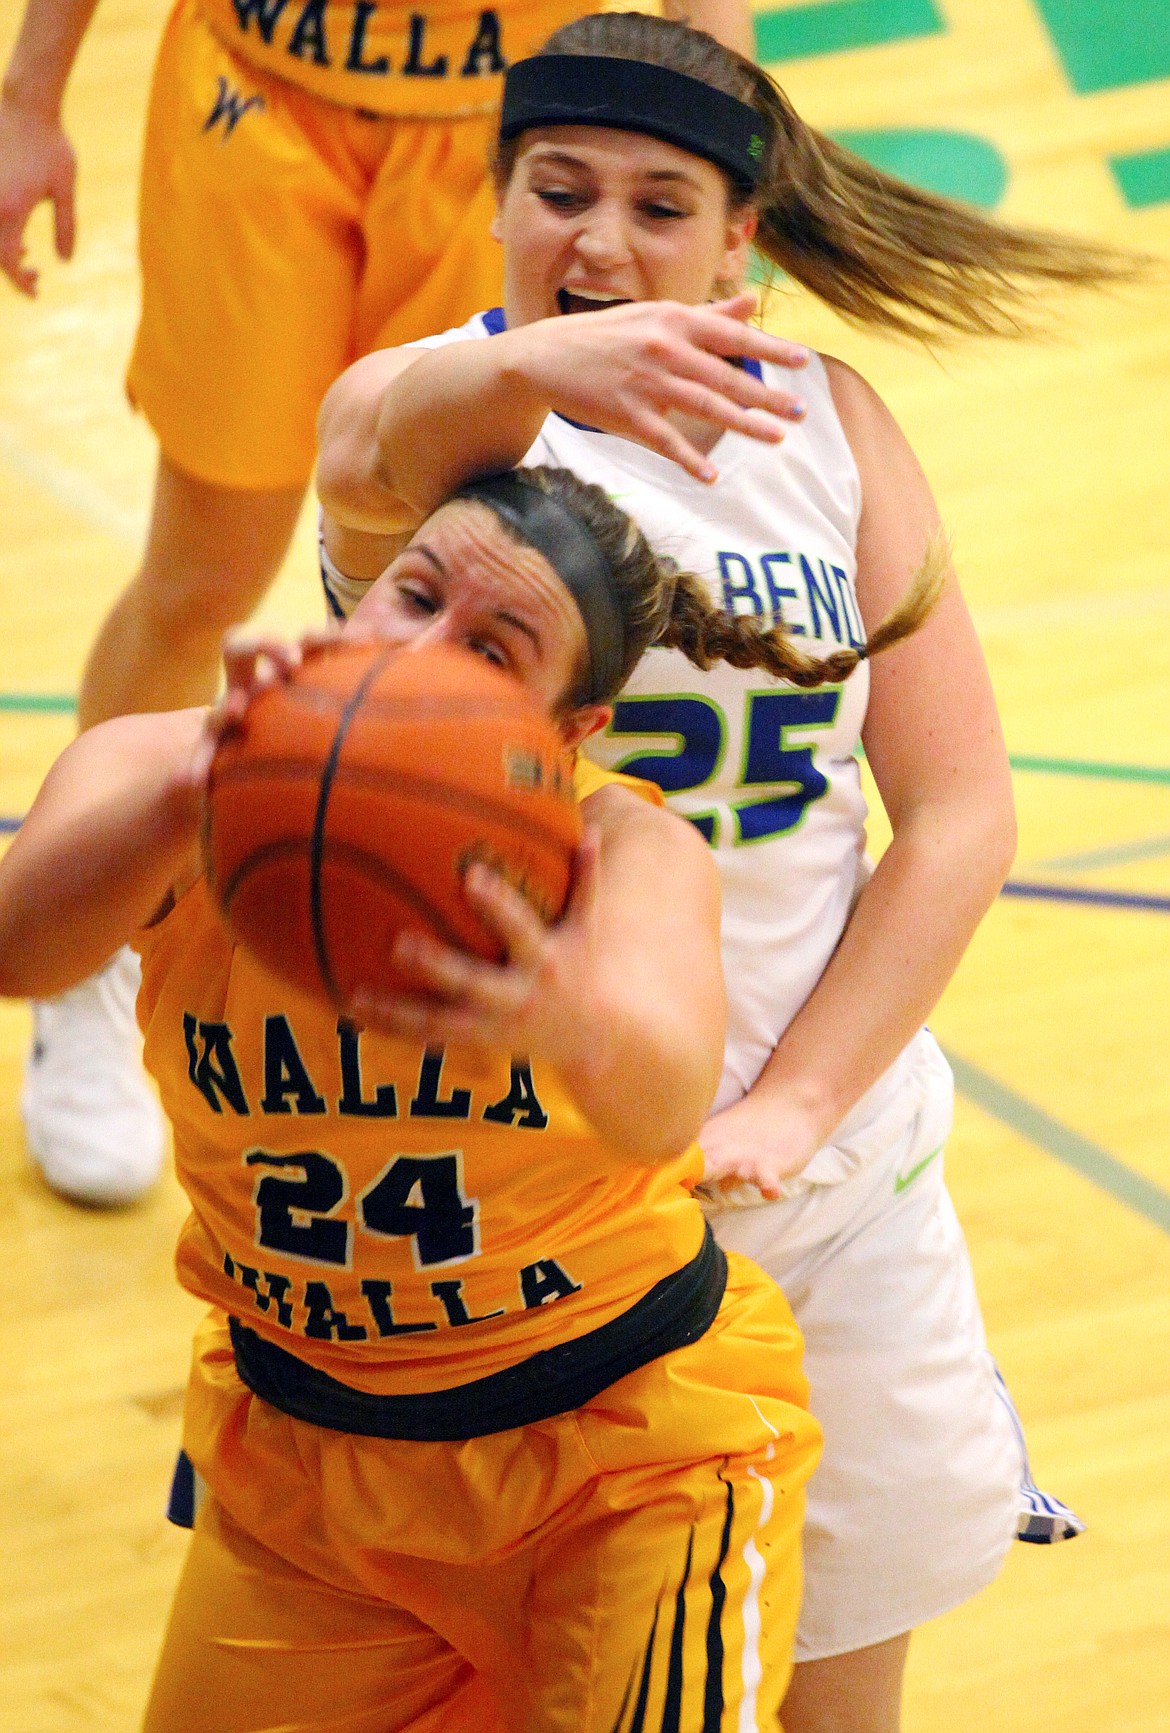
1050 460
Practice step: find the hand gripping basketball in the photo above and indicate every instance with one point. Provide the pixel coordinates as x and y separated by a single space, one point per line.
349 796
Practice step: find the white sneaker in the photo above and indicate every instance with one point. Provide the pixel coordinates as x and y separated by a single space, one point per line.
91 1120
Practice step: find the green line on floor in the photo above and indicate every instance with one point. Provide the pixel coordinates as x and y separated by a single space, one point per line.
1090 768
1119 854
55 703
1083 1156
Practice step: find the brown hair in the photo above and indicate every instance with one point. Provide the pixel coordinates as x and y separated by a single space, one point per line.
662 605
878 250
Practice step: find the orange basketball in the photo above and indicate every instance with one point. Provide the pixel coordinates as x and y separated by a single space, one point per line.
351 801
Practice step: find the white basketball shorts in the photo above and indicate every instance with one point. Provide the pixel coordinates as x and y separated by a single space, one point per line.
914 1505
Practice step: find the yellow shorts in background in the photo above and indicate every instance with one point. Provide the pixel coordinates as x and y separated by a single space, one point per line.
281 237
633 1564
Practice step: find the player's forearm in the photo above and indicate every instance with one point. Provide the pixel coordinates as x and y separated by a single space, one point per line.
652 1052
42 58
907 934
106 838
388 459
648 1079
729 21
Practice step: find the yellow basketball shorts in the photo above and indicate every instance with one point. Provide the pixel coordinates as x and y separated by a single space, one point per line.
632 1565
281 236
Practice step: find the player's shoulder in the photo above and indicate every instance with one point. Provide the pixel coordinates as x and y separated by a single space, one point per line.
867 421
854 398
629 811
122 743
590 779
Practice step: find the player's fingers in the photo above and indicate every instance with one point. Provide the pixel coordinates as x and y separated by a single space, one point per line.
741 305
64 213
740 1169
657 434
507 914
226 716
12 252
713 406
752 339
692 363
437 967
256 662
396 1014
483 990
419 1020
318 638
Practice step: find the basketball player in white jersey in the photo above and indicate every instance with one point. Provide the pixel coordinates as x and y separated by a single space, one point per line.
637 163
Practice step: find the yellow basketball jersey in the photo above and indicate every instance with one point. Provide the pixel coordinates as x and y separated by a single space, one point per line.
442 63
404 1220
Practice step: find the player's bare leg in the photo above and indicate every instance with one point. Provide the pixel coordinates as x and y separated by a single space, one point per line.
92 1122
211 553
859 1692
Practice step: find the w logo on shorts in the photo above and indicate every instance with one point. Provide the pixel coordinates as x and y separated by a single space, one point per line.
230 106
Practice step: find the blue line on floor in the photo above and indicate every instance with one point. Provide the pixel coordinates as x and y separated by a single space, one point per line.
1086 894
1079 1153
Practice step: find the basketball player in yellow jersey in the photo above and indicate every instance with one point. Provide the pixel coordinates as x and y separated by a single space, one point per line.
494 1438
315 185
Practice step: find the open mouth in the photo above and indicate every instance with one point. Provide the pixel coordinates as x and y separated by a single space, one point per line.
579 301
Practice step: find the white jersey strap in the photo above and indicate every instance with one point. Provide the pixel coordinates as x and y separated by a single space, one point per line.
342 594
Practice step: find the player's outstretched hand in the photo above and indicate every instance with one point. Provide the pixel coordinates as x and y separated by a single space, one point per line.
36 162
536 1002
251 662
754 1146
626 369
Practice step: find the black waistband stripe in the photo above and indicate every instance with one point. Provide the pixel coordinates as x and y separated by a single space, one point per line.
676 1312
578 560
634 96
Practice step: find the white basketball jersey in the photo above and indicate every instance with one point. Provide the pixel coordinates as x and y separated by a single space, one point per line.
767 772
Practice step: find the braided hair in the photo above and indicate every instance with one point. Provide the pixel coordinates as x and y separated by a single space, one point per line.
664 605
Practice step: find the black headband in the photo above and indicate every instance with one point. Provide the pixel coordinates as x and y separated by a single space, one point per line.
635 96
575 556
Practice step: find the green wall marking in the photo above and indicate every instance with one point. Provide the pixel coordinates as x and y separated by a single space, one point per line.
960 165
797 32
60 703
1144 178
1067 1145
1106 44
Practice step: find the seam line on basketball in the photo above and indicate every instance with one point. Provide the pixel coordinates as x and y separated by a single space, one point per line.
427 788
316 846
382 874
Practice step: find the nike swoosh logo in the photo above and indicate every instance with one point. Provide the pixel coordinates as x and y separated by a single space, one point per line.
902 1180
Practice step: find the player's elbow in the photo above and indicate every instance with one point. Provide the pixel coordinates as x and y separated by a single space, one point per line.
1004 839
989 839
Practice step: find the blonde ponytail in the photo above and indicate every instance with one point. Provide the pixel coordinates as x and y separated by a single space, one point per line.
880 251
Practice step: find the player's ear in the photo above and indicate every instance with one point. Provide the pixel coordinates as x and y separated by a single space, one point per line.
577 725
742 223
496 224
